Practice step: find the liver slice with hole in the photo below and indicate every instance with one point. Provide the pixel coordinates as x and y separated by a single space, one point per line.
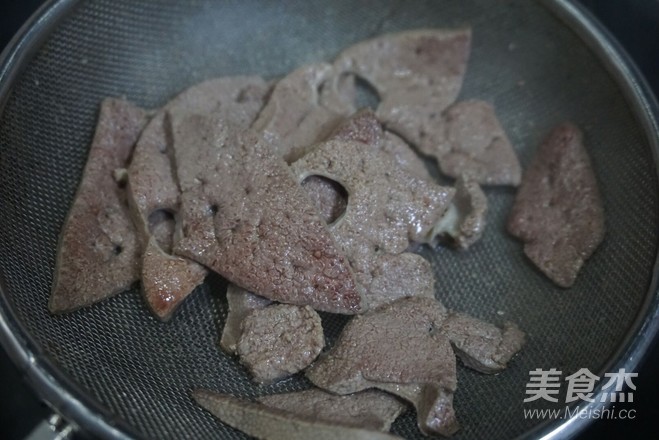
387 209
329 196
154 191
99 249
558 211
245 217
417 75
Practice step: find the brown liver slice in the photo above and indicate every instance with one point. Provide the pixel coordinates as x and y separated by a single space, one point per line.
303 108
167 280
396 206
480 345
387 209
245 217
404 155
417 75
363 127
471 142
260 421
99 248
389 277
279 340
368 409
400 343
558 211
153 183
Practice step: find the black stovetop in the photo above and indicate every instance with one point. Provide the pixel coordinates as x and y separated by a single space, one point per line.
636 25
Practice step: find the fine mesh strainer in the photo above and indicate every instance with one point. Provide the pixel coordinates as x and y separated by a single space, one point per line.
115 371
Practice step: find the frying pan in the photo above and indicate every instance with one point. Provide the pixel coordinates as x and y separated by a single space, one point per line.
114 371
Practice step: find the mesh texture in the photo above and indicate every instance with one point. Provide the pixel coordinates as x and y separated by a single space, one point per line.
534 70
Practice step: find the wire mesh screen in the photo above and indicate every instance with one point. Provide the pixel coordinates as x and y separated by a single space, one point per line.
534 70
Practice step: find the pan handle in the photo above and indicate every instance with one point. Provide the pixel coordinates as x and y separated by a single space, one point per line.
53 428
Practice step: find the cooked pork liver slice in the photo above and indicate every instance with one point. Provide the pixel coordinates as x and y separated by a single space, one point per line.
480 345
303 108
465 220
433 404
262 422
396 206
368 409
244 216
400 343
417 75
167 280
387 209
389 277
558 211
364 127
241 303
403 155
472 142
153 182
99 249
279 340
328 195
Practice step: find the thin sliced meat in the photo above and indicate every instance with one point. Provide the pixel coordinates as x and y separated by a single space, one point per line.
303 108
390 277
472 142
99 249
244 216
364 127
368 410
262 422
558 211
400 343
404 155
433 404
279 340
480 345
167 280
387 209
153 186
396 206
329 196
464 222
417 75
241 303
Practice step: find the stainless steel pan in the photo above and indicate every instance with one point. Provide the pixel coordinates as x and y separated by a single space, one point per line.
115 371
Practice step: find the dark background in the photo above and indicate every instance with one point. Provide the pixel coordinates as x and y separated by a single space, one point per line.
635 23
